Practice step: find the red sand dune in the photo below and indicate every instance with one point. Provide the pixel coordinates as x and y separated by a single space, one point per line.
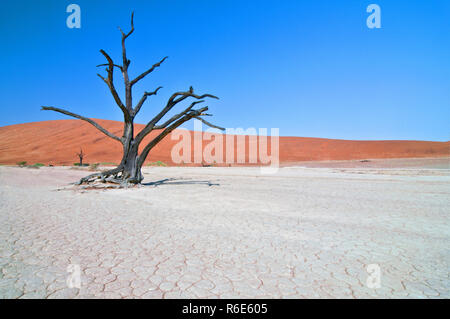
56 142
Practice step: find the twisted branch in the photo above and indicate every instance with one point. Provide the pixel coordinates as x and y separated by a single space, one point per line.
110 82
173 100
95 124
177 116
142 100
208 123
140 77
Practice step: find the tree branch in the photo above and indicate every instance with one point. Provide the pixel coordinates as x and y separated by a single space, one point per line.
132 28
179 121
110 82
156 140
173 100
125 64
95 124
184 95
142 100
140 77
107 64
208 123
179 115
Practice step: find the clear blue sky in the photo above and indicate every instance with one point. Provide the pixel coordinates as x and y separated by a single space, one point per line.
311 68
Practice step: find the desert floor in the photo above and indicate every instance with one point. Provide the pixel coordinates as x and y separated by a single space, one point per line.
195 232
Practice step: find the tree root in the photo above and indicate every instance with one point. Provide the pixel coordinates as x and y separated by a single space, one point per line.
113 176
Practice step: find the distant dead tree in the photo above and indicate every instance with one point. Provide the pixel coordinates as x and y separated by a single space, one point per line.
81 156
129 169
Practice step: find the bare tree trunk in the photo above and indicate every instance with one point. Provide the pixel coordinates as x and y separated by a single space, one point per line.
129 169
81 156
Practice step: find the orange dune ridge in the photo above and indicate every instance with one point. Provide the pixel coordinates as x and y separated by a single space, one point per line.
57 142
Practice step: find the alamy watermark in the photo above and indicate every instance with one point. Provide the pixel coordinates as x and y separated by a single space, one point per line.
74 279
74 19
374 19
373 281
236 146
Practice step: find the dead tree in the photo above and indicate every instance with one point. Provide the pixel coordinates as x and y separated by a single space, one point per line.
129 169
81 156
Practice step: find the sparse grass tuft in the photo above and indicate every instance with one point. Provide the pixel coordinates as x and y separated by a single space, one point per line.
78 164
94 167
157 163
36 165
22 164
108 163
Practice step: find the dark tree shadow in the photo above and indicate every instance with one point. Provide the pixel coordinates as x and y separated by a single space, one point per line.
174 181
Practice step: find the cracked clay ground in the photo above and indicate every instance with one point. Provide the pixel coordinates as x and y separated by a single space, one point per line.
227 232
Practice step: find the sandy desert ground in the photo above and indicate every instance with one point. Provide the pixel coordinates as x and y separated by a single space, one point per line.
214 232
57 142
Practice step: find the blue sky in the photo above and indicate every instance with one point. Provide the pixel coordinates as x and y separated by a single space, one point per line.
311 68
